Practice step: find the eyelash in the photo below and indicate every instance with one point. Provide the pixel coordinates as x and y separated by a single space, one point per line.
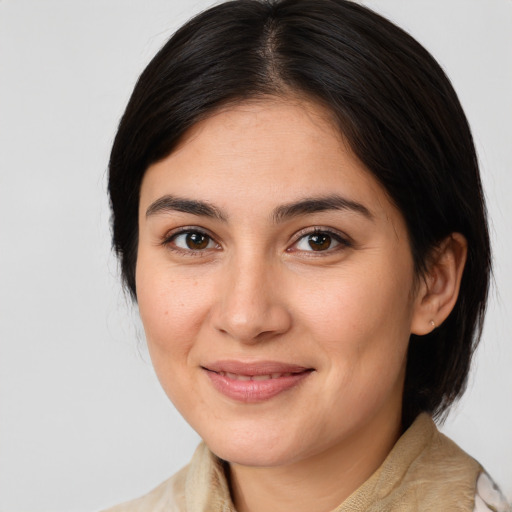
342 240
186 230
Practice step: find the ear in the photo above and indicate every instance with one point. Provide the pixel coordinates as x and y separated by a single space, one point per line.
438 289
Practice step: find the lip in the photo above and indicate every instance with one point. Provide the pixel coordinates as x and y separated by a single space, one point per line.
255 381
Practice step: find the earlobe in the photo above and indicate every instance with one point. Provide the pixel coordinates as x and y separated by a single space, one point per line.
439 288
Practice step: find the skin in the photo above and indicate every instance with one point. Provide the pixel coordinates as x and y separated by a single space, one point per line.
254 290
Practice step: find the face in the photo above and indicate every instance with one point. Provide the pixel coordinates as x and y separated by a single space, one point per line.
275 283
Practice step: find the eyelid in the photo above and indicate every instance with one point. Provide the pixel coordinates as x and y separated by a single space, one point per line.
170 235
340 237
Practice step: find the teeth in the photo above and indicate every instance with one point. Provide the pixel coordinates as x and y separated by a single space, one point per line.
236 376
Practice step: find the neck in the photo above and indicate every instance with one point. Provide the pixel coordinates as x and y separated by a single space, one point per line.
319 483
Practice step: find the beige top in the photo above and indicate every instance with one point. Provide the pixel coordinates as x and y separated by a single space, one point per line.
424 472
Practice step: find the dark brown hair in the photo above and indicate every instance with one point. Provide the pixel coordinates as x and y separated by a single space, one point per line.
393 104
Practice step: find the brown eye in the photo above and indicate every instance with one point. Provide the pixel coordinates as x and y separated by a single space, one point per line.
192 241
197 241
319 241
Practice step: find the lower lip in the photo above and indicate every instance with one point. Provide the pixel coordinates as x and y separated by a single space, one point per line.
253 391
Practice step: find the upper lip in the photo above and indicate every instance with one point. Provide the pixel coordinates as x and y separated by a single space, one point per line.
254 368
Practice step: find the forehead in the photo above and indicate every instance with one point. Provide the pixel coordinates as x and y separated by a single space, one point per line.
261 153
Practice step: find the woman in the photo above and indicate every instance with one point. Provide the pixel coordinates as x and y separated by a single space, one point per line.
298 213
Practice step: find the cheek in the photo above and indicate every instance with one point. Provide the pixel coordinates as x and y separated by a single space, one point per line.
357 301
360 329
360 321
172 309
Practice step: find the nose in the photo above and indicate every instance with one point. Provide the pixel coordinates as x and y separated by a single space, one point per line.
250 306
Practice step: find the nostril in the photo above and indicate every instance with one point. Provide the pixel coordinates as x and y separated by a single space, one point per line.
247 309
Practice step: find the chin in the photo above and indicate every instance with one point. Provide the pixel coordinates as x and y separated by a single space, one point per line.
251 456
254 448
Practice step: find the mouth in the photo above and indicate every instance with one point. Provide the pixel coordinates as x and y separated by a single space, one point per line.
254 382
235 376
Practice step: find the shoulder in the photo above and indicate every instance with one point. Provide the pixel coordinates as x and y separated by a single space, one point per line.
169 496
458 470
427 471
488 496
458 474
201 485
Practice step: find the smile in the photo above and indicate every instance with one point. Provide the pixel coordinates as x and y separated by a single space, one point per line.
254 382
235 376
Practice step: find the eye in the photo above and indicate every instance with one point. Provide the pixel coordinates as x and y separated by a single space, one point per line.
191 240
320 241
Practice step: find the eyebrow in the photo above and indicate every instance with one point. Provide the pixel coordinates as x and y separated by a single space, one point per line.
169 203
318 204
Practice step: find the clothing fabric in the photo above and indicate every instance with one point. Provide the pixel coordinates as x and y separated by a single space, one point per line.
424 472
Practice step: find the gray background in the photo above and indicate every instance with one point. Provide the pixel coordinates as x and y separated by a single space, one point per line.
83 422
